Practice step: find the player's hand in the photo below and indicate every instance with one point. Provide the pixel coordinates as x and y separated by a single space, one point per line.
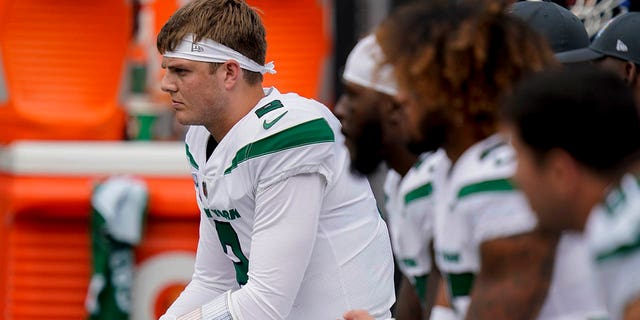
357 315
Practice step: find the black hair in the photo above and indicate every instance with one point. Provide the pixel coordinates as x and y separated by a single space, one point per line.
586 111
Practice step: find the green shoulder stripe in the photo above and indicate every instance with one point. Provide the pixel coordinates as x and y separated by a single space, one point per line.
497 185
191 159
273 105
620 251
419 192
311 132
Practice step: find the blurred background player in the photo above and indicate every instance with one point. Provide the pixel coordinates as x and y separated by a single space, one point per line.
454 62
566 167
286 230
616 48
375 131
561 28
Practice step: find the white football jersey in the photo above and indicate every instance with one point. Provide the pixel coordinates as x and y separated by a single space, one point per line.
409 205
350 264
613 233
477 203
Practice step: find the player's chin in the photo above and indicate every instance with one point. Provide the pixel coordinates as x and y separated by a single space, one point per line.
365 165
184 119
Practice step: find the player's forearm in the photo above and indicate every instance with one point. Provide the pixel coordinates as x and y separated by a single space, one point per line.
513 298
193 297
408 303
632 310
434 283
515 277
216 309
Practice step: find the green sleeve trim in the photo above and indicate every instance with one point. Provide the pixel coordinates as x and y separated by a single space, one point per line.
190 157
273 105
421 287
460 284
419 192
620 251
311 132
498 185
409 262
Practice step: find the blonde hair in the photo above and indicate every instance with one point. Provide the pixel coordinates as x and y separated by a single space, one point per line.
232 23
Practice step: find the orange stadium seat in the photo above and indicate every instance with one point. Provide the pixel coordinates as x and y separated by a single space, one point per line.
298 40
62 63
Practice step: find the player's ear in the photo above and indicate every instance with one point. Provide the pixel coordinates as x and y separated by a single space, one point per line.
563 169
395 112
232 73
631 73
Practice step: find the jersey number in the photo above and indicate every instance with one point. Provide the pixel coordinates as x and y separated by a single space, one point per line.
231 246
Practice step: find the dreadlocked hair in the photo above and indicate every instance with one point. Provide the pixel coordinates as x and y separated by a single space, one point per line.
461 56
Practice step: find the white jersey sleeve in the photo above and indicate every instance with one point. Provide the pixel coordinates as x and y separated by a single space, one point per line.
613 233
283 237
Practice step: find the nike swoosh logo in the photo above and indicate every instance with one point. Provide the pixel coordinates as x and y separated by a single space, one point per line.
266 125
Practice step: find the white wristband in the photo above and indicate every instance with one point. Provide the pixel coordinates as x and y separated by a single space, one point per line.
218 308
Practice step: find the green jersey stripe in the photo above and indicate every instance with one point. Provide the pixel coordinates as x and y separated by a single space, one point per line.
497 185
419 192
620 251
191 159
460 284
311 132
273 105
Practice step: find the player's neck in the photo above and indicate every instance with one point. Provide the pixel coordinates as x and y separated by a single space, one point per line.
240 101
593 190
401 160
458 141
635 169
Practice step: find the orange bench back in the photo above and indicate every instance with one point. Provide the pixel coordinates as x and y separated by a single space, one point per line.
63 64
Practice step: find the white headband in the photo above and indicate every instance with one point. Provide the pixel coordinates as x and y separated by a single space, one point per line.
207 50
364 67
